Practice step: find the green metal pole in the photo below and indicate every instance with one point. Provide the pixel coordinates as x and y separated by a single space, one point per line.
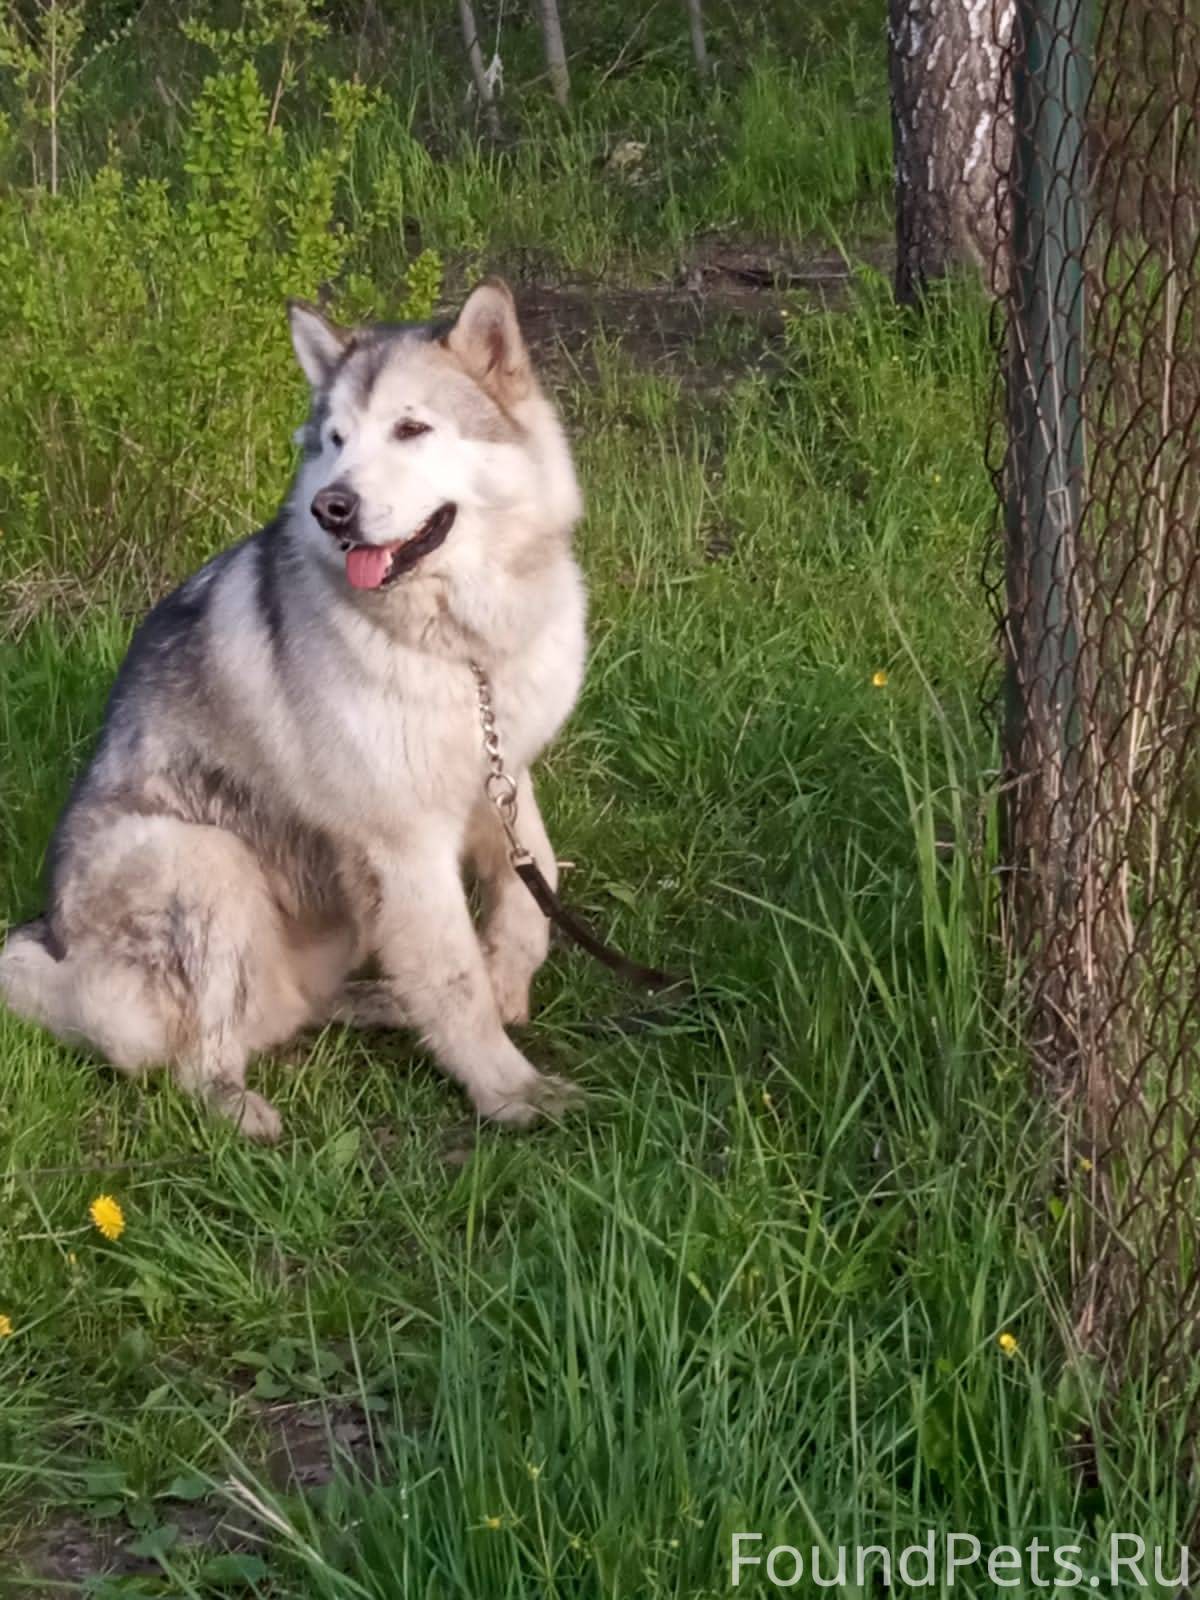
1051 80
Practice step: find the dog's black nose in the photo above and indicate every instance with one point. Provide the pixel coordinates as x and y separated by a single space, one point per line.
335 508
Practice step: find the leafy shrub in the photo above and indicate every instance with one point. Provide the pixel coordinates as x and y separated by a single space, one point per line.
152 391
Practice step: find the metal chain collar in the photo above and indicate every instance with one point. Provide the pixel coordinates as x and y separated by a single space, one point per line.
499 787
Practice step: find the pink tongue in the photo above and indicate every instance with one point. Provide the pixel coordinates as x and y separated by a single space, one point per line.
367 565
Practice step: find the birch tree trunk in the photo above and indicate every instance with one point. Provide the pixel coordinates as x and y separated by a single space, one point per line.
699 43
950 138
556 55
483 88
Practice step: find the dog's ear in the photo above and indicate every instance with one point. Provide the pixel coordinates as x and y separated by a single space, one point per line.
317 342
487 340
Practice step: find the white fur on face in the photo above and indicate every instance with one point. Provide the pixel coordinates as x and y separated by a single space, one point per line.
510 475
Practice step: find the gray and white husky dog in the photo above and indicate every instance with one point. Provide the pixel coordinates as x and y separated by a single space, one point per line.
289 781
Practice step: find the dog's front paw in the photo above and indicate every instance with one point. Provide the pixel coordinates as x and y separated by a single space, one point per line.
527 1101
258 1119
251 1115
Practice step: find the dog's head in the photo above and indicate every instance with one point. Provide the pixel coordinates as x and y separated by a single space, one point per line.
430 449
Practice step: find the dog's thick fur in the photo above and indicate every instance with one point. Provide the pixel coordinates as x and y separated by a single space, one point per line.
289 782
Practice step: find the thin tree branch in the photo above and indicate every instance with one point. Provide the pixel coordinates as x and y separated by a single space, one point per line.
616 64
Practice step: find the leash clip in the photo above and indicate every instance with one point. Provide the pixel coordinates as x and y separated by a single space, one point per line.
499 786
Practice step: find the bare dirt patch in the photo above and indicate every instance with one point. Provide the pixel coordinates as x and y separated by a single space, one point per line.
721 317
305 1446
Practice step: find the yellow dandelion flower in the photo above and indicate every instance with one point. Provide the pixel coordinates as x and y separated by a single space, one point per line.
107 1216
1008 1343
6 1327
493 1523
1084 1164
879 679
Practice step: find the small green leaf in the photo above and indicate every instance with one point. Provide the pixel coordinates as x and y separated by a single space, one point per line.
125 1588
142 1514
133 1351
155 1542
104 1480
187 1486
101 1510
282 1355
626 896
343 1149
153 1293
234 1568
328 1362
268 1387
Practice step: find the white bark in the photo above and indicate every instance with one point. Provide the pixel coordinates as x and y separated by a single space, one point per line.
695 11
556 55
483 84
951 144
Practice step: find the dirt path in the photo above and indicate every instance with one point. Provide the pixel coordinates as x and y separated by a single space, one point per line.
675 328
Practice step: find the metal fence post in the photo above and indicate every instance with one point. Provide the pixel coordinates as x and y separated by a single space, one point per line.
1045 421
1101 606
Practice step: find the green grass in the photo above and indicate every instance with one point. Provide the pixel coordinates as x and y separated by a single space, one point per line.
795 149
758 1282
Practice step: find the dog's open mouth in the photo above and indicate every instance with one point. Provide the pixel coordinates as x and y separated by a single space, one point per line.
374 566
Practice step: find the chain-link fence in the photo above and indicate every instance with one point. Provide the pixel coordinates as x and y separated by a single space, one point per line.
1100 473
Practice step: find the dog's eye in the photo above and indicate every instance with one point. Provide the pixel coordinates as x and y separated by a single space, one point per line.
336 439
407 428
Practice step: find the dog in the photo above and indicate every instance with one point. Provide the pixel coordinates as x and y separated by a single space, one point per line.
288 789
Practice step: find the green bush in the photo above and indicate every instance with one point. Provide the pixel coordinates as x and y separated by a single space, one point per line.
151 387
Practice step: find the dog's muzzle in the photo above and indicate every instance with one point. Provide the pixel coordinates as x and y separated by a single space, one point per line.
375 566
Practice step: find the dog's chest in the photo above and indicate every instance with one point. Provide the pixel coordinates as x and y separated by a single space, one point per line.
407 745
410 740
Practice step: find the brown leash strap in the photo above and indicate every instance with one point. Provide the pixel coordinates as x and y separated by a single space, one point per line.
648 978
501 791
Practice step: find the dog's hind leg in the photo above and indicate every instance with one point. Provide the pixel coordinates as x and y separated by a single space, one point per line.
87 999
175 956
84 996
221 961
35 979
190 1002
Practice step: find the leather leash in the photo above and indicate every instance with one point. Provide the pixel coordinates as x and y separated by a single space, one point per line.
501 791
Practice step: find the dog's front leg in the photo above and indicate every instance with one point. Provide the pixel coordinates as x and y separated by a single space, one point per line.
429 950
516 934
